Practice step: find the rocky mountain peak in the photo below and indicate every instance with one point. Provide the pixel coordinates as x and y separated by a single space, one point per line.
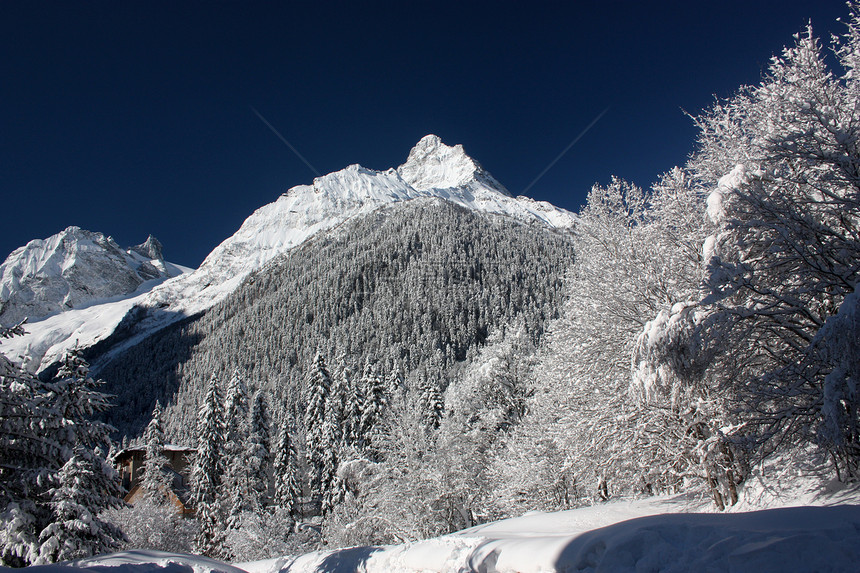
151 249
433 165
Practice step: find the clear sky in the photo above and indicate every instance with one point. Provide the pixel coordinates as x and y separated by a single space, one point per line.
134 117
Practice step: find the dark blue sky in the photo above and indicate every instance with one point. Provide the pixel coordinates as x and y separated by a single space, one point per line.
134 117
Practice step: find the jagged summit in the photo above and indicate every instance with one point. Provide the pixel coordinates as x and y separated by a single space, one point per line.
433 165
151 248
73 268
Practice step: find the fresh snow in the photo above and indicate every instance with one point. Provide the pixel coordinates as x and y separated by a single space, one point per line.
790 518
615 537
432 169
73 268
47 340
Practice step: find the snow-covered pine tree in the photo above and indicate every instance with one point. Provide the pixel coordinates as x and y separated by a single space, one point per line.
77 502
332 432
77 397
287 489
432 402
320 432
87 482
374 391
41 426
206 473
258 455
235 490
156 481
354 398
30 453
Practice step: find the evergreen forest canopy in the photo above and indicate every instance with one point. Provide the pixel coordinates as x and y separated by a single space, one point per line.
412 289
427 368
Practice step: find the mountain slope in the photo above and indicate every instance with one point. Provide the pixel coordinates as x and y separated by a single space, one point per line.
414 287
432 169
75 268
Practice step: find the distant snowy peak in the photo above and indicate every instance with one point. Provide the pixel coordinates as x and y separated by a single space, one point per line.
73 268
433 165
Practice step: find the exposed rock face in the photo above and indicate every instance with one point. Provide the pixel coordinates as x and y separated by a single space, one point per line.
72 269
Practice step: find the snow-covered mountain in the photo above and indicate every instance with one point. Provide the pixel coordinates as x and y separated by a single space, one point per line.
432 169
72 269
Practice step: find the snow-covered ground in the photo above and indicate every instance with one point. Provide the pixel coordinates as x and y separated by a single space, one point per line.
790 518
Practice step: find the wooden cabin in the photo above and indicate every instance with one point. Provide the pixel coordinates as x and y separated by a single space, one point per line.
129 465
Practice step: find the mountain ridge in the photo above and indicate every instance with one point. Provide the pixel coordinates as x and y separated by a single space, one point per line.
432 169
75 268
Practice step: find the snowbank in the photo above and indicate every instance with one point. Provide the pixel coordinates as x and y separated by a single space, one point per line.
642 535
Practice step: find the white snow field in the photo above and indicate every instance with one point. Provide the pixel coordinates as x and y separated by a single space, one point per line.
801 525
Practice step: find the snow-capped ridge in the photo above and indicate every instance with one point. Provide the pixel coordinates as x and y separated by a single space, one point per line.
433 165
432 169
73 268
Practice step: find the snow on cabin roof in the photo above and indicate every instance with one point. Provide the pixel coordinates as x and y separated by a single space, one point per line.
166 448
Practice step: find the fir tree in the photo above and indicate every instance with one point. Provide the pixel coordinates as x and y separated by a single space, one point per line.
371 408
235 490
30 454
352 410
156 480
287 489
43 426
206 473
320 431
258 454
77 501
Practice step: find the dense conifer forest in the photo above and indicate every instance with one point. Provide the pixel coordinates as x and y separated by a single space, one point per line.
409 286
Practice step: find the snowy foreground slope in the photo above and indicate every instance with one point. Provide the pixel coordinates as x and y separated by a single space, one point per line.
669 534
432 169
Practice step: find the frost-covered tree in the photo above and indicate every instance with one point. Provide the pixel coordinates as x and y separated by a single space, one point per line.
374 393
258 455
156 481
78 529
287 482
31 452
235 493
54 472
206 473
584 436
354 400
781 159
321 433
149 524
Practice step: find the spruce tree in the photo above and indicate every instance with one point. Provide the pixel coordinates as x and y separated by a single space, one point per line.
352 410
319 431
43 425
235 490
77 501
30 454
156 480
206 473
372 408
287 488
258 454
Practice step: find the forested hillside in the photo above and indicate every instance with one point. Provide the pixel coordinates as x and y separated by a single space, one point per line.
412 289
